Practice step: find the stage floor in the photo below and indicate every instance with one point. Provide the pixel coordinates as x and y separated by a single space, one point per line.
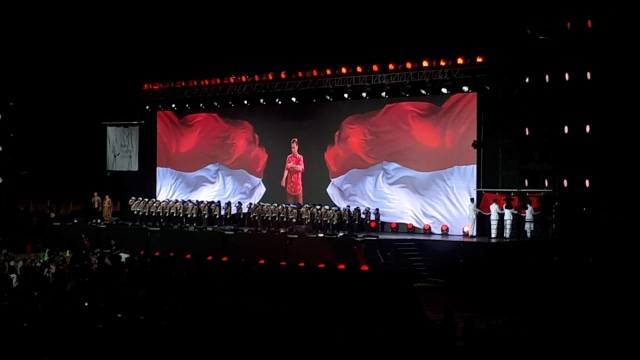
433 258
416 235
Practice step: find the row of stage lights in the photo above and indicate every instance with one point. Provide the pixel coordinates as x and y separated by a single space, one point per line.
425 64
586 26
261 262
362 92
410 228
394 227
345 93
330 95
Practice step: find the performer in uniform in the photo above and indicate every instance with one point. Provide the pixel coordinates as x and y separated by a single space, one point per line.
96 207
508 219
494 217
472 214
107 208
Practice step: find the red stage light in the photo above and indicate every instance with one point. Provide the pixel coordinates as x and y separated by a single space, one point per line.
344 70
364 267
392 67
157 253
465 230
283 263
209 257
188 256
394 225
342 267
301 264
322 266
409 226
375 68
444 229
261 261
426 228
373 224
170 254
224 258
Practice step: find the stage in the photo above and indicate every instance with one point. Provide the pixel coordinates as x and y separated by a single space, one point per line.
432 258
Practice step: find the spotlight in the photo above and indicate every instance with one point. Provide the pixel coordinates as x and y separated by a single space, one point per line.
411 228
426 229
444 229
394 227
465 230
373 225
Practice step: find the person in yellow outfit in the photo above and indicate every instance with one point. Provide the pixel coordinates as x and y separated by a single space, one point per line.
107 208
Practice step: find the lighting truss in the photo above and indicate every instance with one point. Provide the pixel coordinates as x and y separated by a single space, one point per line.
169 92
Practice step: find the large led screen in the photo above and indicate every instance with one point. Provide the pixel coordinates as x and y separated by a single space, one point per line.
412 159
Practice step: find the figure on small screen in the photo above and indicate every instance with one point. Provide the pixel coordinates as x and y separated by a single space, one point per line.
292 177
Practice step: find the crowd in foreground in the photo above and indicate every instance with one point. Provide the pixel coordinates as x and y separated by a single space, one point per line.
123 302
115 298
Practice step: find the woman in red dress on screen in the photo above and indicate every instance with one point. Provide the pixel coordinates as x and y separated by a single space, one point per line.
292 178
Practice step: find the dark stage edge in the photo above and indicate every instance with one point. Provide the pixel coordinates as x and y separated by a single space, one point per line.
432 259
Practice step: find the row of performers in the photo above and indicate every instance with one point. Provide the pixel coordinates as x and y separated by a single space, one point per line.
260 216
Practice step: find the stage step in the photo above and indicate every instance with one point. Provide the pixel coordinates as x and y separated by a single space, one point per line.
410 255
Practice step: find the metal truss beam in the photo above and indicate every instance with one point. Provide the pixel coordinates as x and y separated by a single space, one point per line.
170 92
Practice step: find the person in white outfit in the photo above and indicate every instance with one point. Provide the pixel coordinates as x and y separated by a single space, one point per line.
472 213
508 211
494 217
529 219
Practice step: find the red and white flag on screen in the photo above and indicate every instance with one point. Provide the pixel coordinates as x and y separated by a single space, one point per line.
207 157
122 148
517 201
411 160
